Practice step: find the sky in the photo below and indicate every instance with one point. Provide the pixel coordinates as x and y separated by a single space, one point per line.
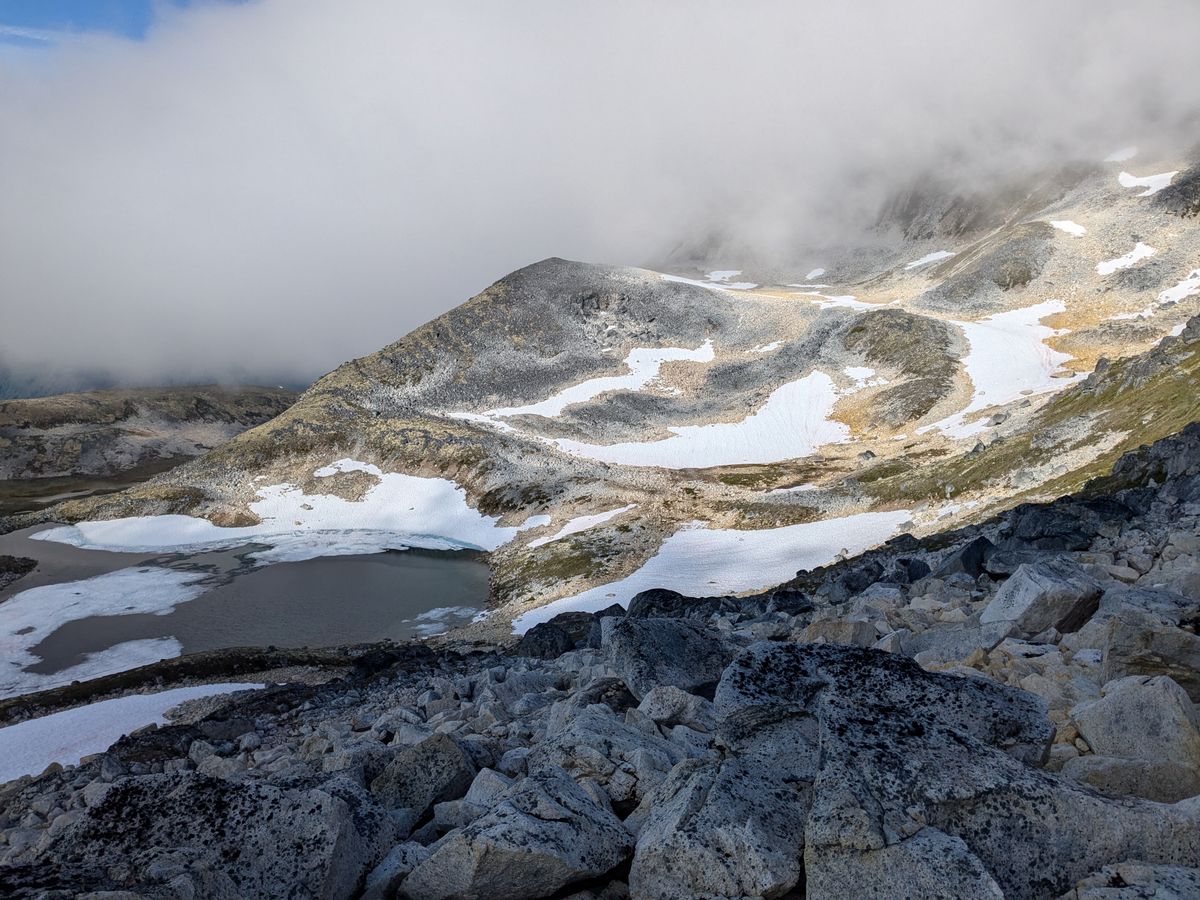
262 190
38 24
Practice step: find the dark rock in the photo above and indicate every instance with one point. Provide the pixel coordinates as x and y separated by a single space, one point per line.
906 570
971 558
547 640
649 652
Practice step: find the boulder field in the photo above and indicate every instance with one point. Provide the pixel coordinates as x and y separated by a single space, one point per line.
1008 710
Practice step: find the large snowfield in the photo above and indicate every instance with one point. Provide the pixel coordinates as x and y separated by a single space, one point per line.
1008 358
66 737
792 423
704 562
398 512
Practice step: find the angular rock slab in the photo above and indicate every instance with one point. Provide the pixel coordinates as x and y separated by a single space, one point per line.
930 864
1140 717
545 834
434 770
1056 593
651 652
734 829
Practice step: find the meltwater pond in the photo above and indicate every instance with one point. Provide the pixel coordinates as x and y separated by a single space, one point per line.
86 612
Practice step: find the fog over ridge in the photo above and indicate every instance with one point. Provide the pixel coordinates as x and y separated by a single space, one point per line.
266 190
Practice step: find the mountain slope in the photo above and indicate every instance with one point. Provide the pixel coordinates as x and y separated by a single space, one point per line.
584 418
106 432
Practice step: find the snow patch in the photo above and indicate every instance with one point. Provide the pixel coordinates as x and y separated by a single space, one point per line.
767 348
798 489
826 301
714 285
723 274
1069 227
66 737
792 423
398 512
643 364
1152 183
582 523
815 273
1186 288
703 562
1007 358
439 620
928 258
1139 252
863 377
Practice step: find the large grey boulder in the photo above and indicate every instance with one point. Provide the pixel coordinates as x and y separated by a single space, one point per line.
1163 780
901 750
668 705
242 840
1142 717
929 864
545 834
650 652
731 829
1145 642
1137 881
1056 593
627 755
434 770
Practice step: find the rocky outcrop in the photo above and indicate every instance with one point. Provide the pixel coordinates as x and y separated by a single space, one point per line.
14 567
103 433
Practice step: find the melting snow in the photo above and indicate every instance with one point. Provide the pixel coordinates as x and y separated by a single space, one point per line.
29 617
1140 251
1123 155
437 621
928 258
723 274
715 285
798 489
1152 183
1007 358
1185 288
767 348
863 377
846 300
582 523
643 364
66 737
1069 227
700 561
398 512
815 273
792 423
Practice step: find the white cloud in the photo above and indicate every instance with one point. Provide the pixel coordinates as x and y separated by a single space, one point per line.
281 185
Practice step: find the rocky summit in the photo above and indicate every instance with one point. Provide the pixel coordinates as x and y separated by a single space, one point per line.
1006 710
